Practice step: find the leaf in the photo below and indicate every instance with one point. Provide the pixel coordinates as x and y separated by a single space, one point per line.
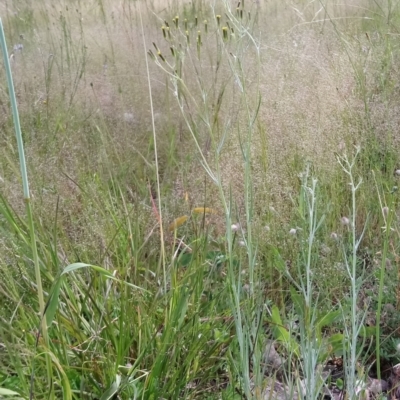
52 303
67 392
329 318
298 300
326 320
282 334
102 271
73 267
112 390
185 259
174 225
7 392
335 343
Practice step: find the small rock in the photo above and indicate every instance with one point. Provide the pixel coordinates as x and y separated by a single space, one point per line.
271 358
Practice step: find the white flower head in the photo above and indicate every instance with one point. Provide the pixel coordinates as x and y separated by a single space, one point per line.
334 236
293 231
235 227
344 221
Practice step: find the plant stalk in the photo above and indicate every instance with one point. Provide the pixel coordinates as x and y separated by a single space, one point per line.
27 200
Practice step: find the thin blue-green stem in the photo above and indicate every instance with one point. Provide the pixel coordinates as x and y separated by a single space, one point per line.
27 199
388 223
356 321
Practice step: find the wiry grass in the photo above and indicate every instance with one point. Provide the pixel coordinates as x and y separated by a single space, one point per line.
188 202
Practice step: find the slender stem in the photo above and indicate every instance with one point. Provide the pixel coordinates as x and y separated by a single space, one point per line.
155 154
388 222
27 199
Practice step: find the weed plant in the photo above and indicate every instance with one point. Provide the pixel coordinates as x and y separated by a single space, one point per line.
204 178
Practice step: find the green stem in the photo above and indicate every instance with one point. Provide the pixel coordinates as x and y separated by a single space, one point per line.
27 199
388 222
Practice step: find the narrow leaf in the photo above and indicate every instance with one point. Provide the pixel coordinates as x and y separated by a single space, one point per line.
52 303
112 390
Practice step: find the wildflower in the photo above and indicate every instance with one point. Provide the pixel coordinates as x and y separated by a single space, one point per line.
397 172
344 221
334 236
235 227
293 231
242 243
267 228
385 211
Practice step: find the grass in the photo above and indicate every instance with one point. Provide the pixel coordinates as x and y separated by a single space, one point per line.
204 177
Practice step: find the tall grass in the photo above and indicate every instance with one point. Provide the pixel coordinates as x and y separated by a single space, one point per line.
188 203
27 200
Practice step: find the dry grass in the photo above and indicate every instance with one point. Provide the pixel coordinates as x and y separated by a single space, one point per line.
82 94
327 81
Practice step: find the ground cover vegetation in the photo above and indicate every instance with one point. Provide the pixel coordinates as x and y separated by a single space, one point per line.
213 209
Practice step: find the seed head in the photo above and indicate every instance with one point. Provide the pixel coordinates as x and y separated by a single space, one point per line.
397 172
334 236
235 227
218 19
385 211
225 32
242 243
293 231
161 56
344 221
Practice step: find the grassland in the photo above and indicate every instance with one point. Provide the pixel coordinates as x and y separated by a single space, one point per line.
205 177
